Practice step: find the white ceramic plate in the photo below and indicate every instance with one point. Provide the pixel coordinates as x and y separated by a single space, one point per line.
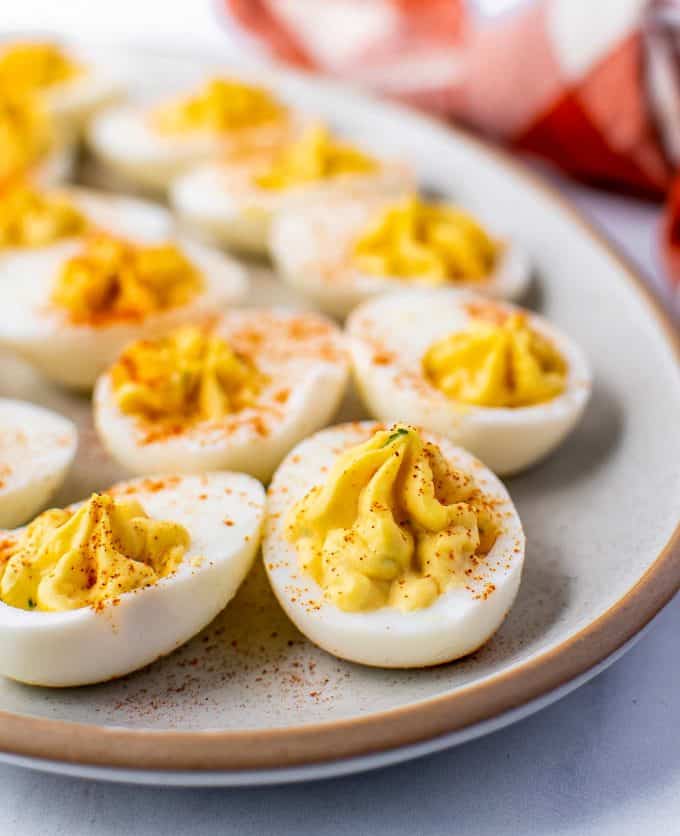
249 701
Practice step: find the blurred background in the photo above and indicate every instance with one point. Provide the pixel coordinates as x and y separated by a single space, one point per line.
590 88
149 22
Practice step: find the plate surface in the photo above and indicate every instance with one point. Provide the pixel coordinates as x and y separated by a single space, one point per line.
249 696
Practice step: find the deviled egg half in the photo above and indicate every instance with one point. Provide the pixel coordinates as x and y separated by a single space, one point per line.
391 547
151 145
37 447
234 200
99 589
496 379
34 219
237 395
70 85
70 308
342 253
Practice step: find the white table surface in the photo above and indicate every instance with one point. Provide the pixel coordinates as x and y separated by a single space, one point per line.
604 760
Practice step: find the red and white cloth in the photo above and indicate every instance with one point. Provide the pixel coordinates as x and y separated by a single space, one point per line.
592 85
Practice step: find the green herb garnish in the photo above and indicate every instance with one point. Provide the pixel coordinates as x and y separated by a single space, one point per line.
395 435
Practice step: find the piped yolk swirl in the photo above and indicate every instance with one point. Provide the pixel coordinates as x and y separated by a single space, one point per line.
496 364
26 134
88 557
187 376
393 525
112 280
222 105
315 156
30 218
432 244
35 66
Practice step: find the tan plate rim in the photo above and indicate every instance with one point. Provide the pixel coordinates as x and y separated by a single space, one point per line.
264 749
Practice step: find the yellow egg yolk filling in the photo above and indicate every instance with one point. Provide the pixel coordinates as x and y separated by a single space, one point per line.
88 557
393 525
186 376
315 156
113 280
428 243
496 364
25 133
29 218
35 66
221 106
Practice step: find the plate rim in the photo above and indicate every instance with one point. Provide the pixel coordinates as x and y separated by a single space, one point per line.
117 747
325 769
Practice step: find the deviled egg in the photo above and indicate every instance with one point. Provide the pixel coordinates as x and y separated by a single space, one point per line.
32 218
37 447
344 252
99 589
70 85
234 396
496 379
390 547
70 308
151 145
234 200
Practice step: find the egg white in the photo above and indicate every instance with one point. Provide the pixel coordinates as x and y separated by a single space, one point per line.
390 335
311 372
459 621
124 140
72 103
73 354
85 646
56 166
129 217
222 201
311 248
37 447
